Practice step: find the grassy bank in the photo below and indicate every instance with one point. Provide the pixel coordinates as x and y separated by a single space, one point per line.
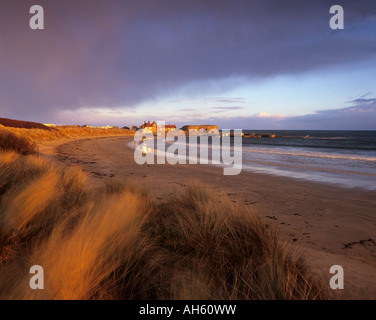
116 243
35 135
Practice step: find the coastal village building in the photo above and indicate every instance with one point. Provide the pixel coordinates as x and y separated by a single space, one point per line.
208 128
149 126
169 127
153 127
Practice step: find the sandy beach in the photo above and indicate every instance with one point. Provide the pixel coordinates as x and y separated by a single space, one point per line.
328 224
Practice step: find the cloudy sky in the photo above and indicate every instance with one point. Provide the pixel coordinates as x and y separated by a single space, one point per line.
267 64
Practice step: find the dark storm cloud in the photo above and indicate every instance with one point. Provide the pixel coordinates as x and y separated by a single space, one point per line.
119 53
357 117
363 100
352 118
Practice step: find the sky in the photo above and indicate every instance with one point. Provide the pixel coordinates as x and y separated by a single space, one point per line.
252 64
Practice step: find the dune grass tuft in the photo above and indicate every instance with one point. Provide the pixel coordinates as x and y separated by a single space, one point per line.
11 141
116 243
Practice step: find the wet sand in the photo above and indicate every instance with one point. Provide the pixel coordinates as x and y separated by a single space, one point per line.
330 225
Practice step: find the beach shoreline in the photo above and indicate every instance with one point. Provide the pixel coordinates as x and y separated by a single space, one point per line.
330 225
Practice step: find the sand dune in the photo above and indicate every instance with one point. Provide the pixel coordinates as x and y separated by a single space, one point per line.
331 225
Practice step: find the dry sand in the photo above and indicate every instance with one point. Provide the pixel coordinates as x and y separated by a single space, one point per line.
330 225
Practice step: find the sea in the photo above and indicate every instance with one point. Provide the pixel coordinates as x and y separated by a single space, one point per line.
342 158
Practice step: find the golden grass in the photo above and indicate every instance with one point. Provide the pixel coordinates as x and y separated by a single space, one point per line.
11 141
116 243
37 135
227 252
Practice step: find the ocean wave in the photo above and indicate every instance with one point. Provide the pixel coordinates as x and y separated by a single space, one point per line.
289 152
311 154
